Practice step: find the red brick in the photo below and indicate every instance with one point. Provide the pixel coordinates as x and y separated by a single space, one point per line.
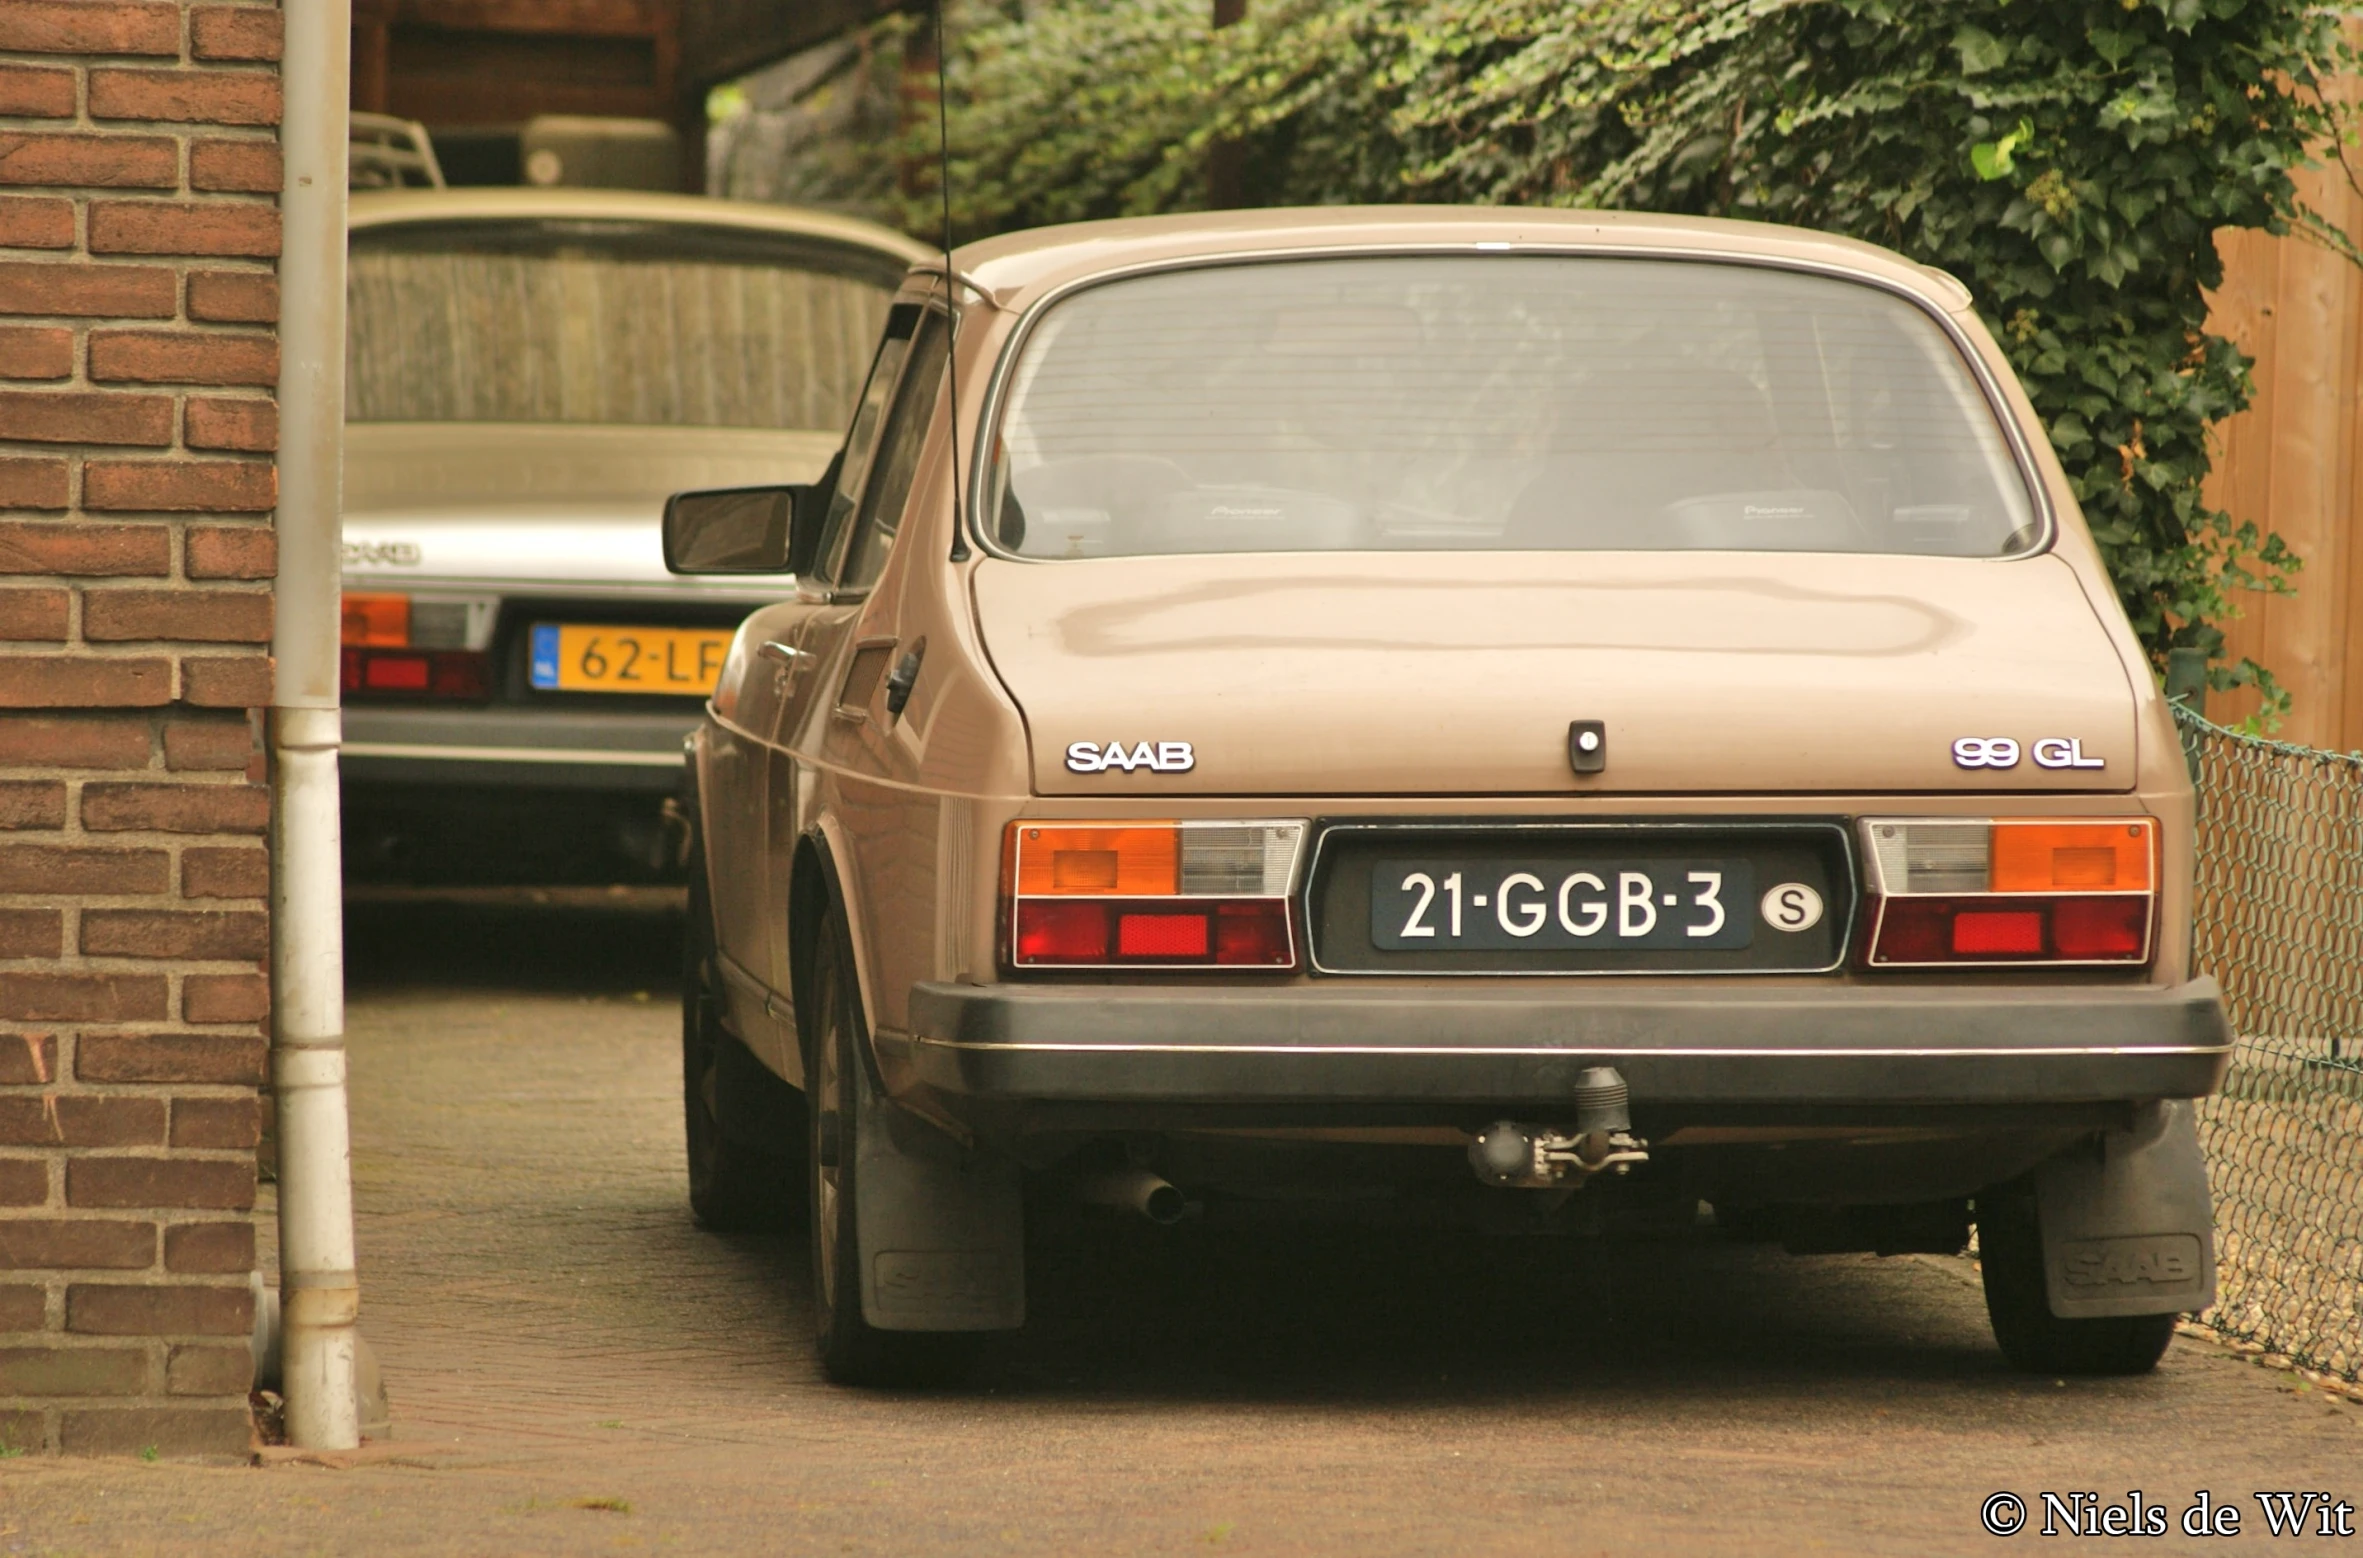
218 1431
86 1244
28 1059
212 229
242 297
222 873
186 96
239 167
231 1123
81 1120
82 871
80 682
175 933
34 616
36 92
234 32
91 161
179 486
73 1371
86 550
23 1181
222 744
167 357
89 27
32 803
83 998
35 222
232 1059
32 933
31 484
209 1371
74 741
22 1309
243 682
180 1309
36 352
249 425
224 998
233 551
126 1183
184 616
83 417
175 808
95 291
209 1247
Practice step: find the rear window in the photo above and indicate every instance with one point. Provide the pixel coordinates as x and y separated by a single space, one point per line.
1498 403
615 322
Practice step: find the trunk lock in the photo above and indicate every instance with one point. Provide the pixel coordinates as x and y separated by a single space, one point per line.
1537 1157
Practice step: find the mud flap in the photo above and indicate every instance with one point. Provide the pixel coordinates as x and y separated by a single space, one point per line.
940 1226
2128 1224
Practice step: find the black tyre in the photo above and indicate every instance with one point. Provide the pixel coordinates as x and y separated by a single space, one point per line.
732 1185
2010 1249
852 1351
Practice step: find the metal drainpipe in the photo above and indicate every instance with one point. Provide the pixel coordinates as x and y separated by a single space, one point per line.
320 1293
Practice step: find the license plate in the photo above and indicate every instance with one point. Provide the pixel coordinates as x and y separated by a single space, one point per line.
587 657
1559 905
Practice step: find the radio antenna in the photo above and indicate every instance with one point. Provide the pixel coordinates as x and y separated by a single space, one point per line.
943 182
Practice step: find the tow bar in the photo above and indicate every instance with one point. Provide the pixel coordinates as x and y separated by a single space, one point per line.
1542 1157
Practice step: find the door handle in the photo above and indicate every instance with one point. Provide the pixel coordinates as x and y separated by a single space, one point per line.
785 654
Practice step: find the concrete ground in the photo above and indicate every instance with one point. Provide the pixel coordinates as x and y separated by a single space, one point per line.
576 1368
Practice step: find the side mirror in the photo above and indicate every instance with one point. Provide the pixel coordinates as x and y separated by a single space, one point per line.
737 529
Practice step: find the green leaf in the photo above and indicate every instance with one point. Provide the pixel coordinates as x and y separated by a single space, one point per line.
1980 50
1996 159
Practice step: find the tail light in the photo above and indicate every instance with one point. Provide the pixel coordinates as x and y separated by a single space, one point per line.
1150 894
1953 892
426 647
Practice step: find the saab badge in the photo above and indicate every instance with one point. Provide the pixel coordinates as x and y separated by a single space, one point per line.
1163 757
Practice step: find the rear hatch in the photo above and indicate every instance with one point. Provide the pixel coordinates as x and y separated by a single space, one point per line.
1460 674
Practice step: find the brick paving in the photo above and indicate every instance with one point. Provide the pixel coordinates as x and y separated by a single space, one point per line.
576 1368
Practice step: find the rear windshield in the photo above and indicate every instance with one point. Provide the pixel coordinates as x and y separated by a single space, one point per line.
1498 403
560 321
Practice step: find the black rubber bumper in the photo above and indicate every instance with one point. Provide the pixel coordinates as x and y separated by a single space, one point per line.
1308 1044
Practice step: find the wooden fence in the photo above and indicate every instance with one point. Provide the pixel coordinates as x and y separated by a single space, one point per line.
2289 462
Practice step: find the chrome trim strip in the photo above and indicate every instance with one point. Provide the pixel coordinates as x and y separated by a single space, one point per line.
455 754
1005 367
1565 1050
1844 942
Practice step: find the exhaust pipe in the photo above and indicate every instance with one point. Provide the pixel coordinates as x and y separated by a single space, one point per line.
1133 1190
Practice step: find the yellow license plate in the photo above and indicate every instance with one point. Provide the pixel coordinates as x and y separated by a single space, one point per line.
586 657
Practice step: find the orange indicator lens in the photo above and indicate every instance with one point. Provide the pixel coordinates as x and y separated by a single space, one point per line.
377 621
2057 857
1135 860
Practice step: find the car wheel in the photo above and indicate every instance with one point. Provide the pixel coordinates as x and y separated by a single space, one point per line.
852 1351
2010 1250
732 1186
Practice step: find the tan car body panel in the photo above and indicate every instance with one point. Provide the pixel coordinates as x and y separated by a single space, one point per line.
914 808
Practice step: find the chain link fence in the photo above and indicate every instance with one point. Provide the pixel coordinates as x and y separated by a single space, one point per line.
2279 920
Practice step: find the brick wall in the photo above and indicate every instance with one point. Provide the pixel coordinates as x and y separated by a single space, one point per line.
138 169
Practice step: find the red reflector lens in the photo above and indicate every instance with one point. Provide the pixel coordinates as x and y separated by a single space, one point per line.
2099 927
456 675
1161 935
1057 932
2061 929
1188 932
394 673
1253 935
1998 933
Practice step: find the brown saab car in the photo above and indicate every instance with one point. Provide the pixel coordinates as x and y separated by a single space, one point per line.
1532 719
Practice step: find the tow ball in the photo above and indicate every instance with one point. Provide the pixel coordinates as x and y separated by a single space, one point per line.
1541 1157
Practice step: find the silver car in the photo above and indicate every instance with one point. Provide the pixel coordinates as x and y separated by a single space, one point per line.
530 372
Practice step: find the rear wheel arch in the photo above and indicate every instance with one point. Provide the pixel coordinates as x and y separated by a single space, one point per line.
814 888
